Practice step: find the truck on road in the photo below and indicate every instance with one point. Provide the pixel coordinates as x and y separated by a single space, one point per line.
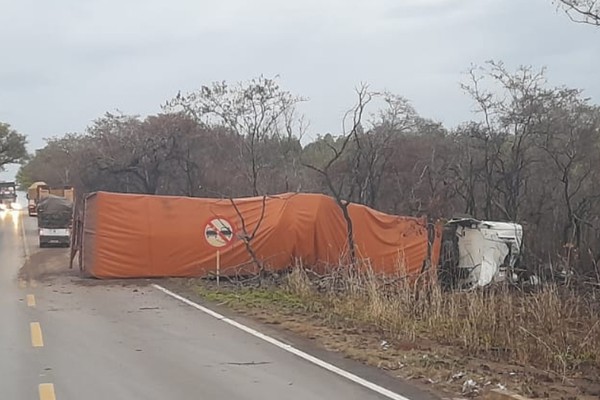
40 190
32 198
55 215
43 191
8 196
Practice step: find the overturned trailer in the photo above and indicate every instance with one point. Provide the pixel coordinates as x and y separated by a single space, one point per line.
132 236
477 253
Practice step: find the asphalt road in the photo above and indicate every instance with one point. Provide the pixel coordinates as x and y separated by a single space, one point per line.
66 339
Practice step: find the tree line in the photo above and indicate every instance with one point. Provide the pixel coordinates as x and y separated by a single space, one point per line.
530 155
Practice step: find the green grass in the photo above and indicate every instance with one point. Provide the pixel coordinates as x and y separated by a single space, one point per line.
252 297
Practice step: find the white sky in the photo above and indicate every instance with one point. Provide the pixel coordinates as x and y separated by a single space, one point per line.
66 62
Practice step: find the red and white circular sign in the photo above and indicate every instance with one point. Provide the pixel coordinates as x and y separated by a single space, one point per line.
219 232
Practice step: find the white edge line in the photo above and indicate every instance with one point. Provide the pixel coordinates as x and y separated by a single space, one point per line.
24 236
290 349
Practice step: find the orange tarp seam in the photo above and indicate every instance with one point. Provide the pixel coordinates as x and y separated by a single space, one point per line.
133 236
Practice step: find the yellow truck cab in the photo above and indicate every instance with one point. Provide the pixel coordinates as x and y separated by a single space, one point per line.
32 198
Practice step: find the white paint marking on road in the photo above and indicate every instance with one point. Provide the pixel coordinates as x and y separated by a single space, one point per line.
24 236
290 349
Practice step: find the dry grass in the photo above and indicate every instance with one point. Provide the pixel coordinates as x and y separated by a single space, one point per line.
553 328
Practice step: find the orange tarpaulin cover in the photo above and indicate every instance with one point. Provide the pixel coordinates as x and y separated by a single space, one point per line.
128 235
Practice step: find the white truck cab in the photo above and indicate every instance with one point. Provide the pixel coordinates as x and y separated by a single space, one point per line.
476 253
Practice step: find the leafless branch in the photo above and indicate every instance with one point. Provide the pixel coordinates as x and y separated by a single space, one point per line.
248 238
582 11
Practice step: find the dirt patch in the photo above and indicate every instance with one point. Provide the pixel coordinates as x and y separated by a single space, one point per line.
50 265
45 264
133 282
433 365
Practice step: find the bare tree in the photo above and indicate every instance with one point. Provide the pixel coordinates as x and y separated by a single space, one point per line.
140 153
511 113
247 236
466 170
374 147
487 140
337 152
570 140
582 11
257 110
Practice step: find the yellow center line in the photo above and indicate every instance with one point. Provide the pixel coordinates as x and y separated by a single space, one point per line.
36 334
33 284
30 300
47 391
22 283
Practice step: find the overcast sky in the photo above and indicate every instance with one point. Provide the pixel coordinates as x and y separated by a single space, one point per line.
65 62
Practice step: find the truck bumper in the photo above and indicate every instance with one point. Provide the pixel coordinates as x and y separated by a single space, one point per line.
61 241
